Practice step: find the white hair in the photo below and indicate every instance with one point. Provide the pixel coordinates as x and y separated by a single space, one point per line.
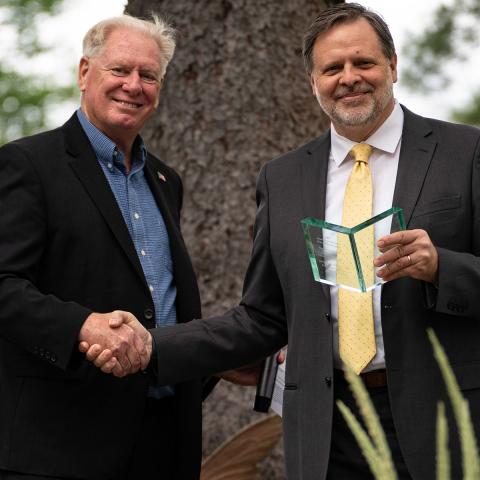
157 29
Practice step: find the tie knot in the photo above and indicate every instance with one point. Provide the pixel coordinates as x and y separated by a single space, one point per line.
361 152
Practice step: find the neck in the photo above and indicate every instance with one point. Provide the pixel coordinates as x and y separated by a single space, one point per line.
126 149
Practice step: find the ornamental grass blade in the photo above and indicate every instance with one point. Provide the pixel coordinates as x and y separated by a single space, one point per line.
443 453
372 422
471 465
366 446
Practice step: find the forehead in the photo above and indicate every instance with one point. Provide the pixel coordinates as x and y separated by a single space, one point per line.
355 37
133 48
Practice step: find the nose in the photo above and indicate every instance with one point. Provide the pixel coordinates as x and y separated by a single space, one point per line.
350 76
132 83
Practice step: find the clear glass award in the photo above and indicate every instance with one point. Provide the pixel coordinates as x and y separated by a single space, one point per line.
353 272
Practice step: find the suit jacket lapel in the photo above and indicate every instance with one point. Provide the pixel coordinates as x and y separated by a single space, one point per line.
418 146
314 177
85 165
314 183
188 297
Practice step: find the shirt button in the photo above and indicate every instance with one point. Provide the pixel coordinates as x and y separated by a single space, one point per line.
136 215
110 166
151 288
143 252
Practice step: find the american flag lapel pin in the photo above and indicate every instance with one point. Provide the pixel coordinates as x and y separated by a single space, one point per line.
161 177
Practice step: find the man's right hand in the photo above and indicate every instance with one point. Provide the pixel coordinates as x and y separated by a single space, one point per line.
113 345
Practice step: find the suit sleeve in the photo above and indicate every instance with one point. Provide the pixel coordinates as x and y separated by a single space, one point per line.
36 321
459 272
248 332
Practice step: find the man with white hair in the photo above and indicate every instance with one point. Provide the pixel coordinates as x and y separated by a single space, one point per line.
89 223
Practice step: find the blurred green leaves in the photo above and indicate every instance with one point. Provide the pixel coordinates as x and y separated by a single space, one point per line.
24 15
26 98
454 29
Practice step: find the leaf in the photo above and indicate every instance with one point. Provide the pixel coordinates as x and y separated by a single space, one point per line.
374 427
443 454
471 466
368 450
238 457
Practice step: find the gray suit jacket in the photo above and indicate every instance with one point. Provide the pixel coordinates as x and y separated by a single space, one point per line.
438 188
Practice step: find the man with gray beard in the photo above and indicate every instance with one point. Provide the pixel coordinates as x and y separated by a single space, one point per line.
393 158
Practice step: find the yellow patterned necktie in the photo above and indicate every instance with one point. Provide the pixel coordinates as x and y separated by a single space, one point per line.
356 330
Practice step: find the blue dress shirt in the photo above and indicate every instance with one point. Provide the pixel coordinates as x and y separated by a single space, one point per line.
142 217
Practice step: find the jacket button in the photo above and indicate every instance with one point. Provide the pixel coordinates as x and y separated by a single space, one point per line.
327 316
53 358
328 381
148 314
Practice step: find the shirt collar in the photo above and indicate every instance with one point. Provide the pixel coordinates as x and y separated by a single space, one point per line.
386 138
105 149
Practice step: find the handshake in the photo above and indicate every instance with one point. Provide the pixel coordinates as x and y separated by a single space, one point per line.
119 344
116 342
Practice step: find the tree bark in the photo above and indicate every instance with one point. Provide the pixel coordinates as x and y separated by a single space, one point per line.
235 96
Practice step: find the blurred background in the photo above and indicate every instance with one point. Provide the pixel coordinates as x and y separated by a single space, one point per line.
41 43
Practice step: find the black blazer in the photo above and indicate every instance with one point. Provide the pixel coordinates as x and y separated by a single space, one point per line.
438 186
65 251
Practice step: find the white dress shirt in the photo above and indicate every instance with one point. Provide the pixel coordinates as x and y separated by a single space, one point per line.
383 165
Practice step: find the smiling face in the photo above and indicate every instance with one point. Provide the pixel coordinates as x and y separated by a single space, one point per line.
352 79
121 86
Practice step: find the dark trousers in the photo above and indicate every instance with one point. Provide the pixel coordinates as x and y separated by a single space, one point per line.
154 454
346 459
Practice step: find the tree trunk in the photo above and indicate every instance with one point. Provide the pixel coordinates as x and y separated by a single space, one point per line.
235 96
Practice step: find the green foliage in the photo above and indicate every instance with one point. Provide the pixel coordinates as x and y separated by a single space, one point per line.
24 102
454 28
25 99
470 114
443 454
471 464
427 51
374 446
24 15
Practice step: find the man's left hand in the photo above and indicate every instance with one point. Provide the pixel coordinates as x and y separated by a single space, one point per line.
409 253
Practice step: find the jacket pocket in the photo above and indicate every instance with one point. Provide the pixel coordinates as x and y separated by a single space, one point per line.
438 205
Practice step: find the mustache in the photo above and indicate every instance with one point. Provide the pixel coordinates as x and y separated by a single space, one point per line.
342 90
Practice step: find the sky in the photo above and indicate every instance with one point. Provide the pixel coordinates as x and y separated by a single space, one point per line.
65 33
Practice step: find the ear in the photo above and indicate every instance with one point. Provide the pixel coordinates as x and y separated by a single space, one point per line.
393 67
83 68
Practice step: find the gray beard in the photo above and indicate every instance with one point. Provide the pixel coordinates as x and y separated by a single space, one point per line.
355 119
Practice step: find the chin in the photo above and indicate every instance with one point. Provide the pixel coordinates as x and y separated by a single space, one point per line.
354 119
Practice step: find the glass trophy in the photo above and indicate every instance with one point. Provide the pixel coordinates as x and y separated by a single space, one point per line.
354 273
